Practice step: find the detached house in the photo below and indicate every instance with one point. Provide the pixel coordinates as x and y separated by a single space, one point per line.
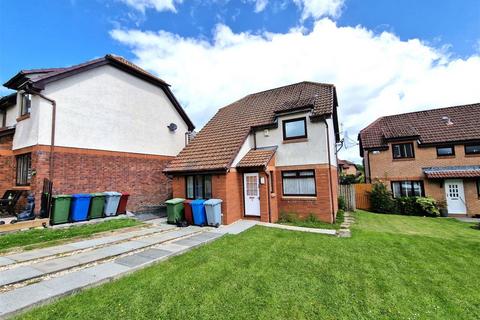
101 125
428 153
267 153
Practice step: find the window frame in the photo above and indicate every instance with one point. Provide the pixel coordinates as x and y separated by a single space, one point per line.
284 123
23 109
422 188
478 188
4 118
204 189
470 145
27 171
446 155
401 144
297 176
272 182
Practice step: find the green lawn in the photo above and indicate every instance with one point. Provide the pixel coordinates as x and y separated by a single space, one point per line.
394 267
36 238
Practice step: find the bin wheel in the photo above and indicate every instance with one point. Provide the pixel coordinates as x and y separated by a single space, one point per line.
217 225
202 225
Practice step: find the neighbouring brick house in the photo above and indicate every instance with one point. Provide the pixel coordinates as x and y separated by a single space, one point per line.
115 127
428 153
346 167
267 153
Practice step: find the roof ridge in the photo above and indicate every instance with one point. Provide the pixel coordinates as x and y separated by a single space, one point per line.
432 109
289 85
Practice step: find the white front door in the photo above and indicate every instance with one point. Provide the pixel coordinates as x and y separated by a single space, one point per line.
251 194
455 196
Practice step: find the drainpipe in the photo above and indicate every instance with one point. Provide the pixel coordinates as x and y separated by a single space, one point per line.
268 196
330 171
52 137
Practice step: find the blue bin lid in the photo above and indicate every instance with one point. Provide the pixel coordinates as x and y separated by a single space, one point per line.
198 201
213 202
81 195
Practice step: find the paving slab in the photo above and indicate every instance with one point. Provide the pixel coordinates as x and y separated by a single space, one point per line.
154 253
40 253
106 270
6 261
133 260
188 242
236 228
55 265
21 298
18 274
172 247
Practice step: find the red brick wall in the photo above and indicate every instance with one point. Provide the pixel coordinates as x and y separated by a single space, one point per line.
86 171
320 205
229 188
7 172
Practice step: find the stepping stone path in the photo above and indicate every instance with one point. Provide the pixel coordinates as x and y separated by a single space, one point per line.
36 277
344 231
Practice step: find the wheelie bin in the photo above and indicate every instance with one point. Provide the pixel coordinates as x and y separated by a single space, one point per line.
174 210
213 208
187 205
112 199
122 205
60 209
97 204
198 210
79 207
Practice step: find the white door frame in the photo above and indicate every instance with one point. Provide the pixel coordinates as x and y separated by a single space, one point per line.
251 196
455 196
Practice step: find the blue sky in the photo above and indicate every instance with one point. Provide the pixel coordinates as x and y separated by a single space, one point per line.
421 41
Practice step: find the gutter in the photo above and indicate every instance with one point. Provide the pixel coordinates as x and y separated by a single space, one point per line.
330 171
52 137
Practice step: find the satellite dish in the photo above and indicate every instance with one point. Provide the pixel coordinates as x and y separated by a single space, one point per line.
172 127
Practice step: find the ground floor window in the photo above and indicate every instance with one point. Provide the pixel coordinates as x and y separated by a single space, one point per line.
478 188
299 183
24 169
199 187
407 189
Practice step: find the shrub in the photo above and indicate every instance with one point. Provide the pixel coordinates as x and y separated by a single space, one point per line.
407 206
287 217
381 199
428 206
341 203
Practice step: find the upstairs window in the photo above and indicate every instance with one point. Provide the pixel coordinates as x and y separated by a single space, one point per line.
26 104
24 169
472 149
407 189
294 128
445 151
3 118
199 187
403 151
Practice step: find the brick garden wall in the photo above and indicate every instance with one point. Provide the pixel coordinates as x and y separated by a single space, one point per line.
86 171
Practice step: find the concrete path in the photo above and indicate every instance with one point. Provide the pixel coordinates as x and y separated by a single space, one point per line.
32 278
330 232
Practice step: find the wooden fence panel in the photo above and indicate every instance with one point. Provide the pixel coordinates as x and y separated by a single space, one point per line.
348 194
362 198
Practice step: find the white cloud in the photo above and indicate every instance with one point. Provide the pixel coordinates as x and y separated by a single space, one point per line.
375 74
260 5
320 8
158 5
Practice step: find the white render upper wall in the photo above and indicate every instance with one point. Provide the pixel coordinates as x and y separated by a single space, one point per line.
312 151
105 109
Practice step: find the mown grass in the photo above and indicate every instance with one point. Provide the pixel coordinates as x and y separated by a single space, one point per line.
394 267
38 238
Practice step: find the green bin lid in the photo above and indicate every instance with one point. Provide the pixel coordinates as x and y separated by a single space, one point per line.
175 201
98 194
58 196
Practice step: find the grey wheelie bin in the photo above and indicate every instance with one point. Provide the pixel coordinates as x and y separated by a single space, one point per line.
213 208
112 199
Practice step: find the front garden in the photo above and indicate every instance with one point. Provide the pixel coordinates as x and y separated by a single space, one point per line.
393 267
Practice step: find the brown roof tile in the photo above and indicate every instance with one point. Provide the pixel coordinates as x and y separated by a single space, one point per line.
256 158
217 144
452 172
426 126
